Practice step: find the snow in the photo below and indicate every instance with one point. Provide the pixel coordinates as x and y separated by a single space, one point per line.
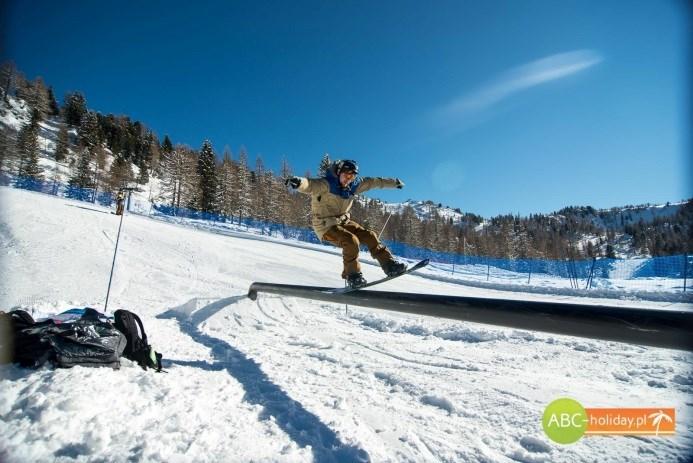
15 114
294 380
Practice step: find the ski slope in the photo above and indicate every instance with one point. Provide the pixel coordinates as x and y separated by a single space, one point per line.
291 380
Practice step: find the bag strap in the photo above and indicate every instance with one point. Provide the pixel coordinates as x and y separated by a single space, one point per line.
23 317
139 323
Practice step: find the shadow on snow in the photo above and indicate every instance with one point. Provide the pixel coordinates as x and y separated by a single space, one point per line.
302 426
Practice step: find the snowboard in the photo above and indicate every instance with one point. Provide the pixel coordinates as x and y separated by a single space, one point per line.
416 266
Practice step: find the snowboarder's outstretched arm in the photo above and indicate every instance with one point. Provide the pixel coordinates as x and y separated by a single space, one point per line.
307 185
372 183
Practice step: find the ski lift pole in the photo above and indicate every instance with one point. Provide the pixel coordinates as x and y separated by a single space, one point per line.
115 253
386 221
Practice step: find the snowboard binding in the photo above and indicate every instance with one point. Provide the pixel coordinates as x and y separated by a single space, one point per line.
356 280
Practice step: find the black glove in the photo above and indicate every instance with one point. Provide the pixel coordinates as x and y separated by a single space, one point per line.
400 184
293 182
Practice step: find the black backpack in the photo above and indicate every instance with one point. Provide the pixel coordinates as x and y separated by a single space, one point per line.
19 344
137 348
87 341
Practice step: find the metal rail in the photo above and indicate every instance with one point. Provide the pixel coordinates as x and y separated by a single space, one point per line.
670 329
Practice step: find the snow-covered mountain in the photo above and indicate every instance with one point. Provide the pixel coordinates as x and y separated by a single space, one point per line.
614 218
426 210
618 217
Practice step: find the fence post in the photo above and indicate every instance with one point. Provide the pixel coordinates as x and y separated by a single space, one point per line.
685 271
588 285
575 273
488 268
570 273
529 278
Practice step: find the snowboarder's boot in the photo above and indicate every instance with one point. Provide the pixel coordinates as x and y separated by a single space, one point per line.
394 268
356 280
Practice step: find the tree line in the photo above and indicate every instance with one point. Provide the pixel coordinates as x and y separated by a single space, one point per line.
204 180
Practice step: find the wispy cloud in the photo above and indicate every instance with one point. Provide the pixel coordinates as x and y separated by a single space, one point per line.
513 81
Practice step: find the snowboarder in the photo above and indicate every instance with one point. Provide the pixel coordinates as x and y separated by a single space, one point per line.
120 202
331 199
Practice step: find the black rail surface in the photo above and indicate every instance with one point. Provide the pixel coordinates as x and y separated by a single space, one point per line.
671 329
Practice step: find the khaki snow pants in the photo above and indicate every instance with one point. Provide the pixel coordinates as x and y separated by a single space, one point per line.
349 236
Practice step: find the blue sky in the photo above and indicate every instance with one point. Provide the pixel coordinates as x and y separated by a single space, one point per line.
490 106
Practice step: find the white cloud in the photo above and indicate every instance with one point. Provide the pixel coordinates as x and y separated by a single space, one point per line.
513 81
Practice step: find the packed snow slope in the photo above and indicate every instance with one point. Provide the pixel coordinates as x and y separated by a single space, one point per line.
291 380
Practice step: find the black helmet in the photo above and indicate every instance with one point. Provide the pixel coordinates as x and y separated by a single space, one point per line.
347 166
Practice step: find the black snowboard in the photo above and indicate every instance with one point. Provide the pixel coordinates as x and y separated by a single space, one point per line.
417 266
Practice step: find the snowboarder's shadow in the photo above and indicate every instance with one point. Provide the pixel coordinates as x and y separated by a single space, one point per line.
299 424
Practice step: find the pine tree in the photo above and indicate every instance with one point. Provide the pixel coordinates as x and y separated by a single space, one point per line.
83 172
226 175
6 150
143 177
54 109
87 171
521 243
268 201
259 192
8 73
88 131
38 98
23 89
243 186
166 146
63 143
153 156
75 106
324 165
178 175
207 173
410 229
120 173
28 149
